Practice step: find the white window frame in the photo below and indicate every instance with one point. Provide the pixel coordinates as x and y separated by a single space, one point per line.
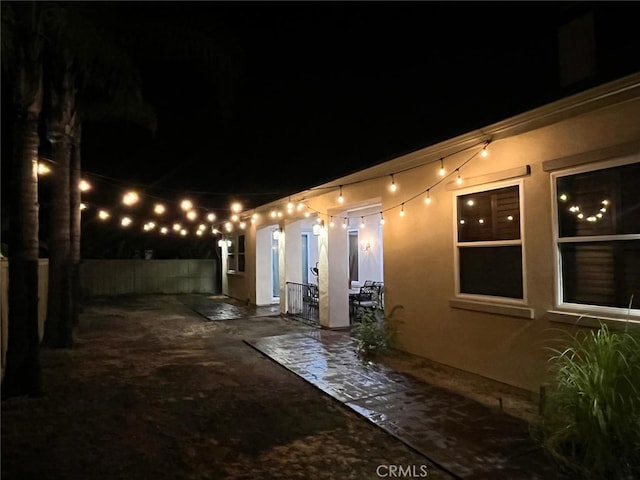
604 312
519 242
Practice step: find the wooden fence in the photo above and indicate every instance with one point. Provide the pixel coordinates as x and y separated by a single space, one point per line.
117 277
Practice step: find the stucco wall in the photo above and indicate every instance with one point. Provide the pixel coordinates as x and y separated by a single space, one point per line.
503 340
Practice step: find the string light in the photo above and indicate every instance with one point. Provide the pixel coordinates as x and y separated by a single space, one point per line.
485 153
331 224
125 221
131 197
43 169
393 187
84 186
186 205
361 222
345 223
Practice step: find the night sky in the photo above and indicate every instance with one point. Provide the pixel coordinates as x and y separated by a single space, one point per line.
325 89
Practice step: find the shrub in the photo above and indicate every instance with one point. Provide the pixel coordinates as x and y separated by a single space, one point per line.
590 421
375 332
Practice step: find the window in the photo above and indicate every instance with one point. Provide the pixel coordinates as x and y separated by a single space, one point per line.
305 258
598 235
353 257
489 245
235 254
275 266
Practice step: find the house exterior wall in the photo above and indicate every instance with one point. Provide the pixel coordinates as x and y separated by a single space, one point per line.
505 340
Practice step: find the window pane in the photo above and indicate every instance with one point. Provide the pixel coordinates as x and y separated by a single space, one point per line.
601 273
489 215
602 202
493 271
353 257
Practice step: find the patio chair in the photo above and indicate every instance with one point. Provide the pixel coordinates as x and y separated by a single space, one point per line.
367 299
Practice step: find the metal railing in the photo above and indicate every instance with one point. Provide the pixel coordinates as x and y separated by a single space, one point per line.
302 302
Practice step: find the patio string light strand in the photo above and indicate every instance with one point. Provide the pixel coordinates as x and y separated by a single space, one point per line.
135 196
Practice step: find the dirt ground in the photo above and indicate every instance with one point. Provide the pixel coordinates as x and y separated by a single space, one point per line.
154 391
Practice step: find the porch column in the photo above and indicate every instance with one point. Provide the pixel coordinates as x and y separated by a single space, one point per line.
333 280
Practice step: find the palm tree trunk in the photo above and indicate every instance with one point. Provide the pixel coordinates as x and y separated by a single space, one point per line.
58 327
58 332
75 226
22 375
